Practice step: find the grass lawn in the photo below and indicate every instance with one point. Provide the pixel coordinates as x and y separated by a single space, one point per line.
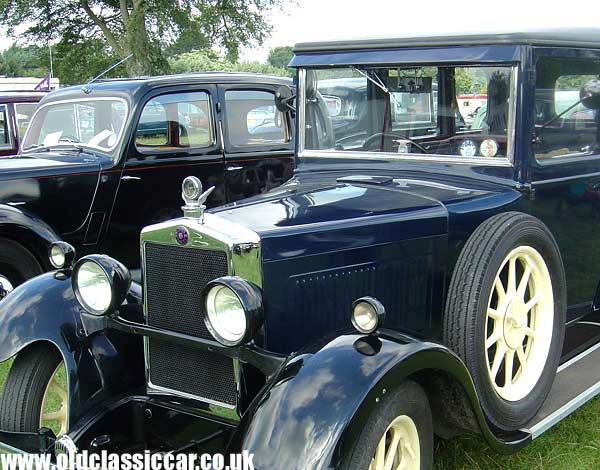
574 445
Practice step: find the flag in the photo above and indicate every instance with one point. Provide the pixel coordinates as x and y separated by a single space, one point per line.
44 84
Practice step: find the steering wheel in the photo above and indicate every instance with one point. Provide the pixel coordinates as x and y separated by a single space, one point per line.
388 135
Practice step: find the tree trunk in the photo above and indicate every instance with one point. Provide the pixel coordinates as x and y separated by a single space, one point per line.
137 42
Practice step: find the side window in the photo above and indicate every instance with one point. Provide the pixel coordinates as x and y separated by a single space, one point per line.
564 127
24 111
5 139
175 121
252 119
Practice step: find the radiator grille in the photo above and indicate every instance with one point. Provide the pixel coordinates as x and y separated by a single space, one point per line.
192 371
175 277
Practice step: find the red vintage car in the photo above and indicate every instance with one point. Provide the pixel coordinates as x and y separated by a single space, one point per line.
16 109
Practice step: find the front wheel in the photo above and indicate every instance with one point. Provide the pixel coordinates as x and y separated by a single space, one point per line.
398 434
17 265
35 392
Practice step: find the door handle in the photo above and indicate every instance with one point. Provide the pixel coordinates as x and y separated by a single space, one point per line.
234 168
130 178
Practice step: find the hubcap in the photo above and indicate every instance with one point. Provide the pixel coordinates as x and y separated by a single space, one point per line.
519 323
54 412
399 447
5 284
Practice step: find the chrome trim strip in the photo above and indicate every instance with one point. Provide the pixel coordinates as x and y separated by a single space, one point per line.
390 156
565 411
77 100
301 110
578 358
512 116
10 145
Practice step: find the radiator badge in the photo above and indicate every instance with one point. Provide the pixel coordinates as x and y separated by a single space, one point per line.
181 235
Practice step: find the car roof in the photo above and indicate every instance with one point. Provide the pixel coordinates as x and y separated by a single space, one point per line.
131 86
575 37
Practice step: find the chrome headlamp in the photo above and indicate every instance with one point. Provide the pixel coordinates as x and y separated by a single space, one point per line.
233 310
368 314
100 283
61 255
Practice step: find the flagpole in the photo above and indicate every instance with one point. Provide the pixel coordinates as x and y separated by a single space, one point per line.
51 68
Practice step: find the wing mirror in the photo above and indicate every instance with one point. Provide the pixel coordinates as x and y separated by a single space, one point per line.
590 94
284 97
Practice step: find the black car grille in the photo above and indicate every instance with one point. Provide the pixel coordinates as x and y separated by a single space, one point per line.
174 278
192 371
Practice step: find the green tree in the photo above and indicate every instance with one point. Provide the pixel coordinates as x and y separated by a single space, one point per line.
207 61
142 28
280 56
24 62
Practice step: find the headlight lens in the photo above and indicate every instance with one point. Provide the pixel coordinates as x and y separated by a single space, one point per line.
57 256
93 287
367 314
61 255
226 315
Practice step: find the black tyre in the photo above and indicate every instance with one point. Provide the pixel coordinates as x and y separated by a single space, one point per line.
505 315
400 428
34 392
17 264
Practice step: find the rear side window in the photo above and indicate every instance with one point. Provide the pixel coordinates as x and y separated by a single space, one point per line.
253 120
5 140
24 111
175 121
564 127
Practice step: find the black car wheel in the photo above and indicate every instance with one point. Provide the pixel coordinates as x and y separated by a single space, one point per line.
35 392
398 434
17 264
505 315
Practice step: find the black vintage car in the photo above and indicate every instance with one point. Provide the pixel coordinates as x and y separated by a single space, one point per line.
436 279
103 160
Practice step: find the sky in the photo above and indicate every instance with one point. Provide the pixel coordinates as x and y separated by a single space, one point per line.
308 20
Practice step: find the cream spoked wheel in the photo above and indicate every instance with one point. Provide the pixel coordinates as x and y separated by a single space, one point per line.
519 323
54 411
399 447
506 313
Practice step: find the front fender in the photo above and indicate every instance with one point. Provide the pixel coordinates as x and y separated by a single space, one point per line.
306 411
44 309
28 229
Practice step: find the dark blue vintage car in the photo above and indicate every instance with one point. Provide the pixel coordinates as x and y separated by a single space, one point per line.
101 161
436 278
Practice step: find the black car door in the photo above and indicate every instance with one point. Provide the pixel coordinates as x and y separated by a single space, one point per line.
259 143
175 136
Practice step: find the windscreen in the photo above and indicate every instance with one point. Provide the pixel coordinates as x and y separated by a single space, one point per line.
90 123
458 111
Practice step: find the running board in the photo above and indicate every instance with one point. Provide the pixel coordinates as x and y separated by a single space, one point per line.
577 382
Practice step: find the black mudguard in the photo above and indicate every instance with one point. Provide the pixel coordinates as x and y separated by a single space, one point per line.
312 409
29 230
99 363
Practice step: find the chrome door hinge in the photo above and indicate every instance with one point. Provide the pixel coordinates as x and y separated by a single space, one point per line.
527 189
